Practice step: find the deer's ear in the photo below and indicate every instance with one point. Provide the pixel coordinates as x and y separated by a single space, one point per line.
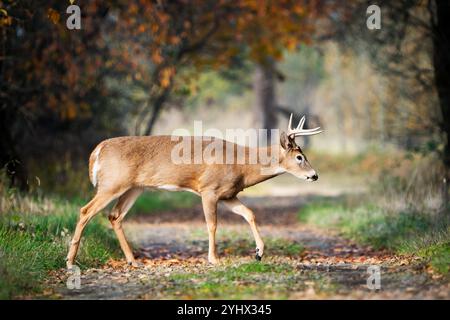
286 142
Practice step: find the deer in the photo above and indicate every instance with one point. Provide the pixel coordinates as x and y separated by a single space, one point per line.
123 167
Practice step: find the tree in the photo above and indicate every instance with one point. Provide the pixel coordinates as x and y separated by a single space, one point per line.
48 76
196 35
440 28
413 49
73 85
265 99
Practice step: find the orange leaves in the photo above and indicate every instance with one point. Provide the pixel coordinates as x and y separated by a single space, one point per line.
291 43
156 57
162 17
213 35
174 40
5 20
133 9
141 28
193 35
299 9
52 102
165 76
268 27
53 15
70 110
154 27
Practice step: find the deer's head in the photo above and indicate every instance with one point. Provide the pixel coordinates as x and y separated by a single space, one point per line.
292 158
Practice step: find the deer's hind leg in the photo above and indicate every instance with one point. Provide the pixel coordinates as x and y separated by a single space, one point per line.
94 206
118 213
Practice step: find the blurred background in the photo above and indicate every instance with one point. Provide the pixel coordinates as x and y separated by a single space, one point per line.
149 67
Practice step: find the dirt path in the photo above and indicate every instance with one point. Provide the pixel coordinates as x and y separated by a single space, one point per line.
300 262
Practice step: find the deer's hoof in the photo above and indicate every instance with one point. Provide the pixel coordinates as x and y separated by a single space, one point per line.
258 255
135 264
214 261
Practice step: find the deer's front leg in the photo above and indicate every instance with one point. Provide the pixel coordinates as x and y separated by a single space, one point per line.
209 202
236 206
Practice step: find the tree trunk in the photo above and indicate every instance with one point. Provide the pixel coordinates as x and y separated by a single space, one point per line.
265 100
441 64
157 107
9 157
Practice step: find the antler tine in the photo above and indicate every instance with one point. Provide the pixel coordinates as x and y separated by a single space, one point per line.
311 130
290 123
299 131
301 123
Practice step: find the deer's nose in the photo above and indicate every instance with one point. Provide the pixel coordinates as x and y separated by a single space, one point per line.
314 177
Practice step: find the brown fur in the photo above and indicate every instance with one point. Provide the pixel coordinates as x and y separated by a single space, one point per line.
127 165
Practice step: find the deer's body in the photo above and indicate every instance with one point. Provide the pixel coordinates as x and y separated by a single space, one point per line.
122 168
130 162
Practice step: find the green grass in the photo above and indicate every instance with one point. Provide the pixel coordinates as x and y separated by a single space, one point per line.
231 243
273 246
35 232
404 232
154 201
243 281
33 243
434 247
246 280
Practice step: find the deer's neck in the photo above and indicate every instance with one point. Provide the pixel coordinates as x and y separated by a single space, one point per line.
264 169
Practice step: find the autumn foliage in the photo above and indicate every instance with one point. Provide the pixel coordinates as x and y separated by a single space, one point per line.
55 81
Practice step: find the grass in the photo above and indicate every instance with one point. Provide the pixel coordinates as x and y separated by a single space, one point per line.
231 242
434 247
34 237
273 246
155 201
271 278
35 232
241 281
404 232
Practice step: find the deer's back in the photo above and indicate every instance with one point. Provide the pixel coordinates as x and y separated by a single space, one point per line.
137 161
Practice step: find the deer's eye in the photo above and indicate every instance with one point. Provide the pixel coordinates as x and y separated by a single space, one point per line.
299 158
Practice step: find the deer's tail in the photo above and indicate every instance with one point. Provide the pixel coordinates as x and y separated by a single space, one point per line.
94 164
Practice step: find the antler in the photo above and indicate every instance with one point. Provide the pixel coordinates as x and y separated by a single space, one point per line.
299 131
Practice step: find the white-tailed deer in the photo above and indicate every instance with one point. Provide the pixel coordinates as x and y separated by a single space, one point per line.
121 168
